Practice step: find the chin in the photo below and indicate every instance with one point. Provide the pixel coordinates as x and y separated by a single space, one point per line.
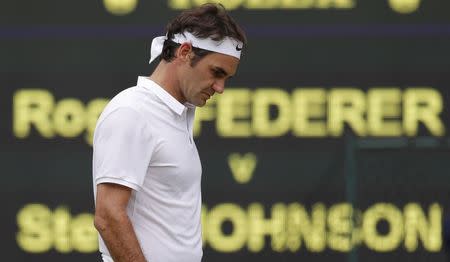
197 102
200 104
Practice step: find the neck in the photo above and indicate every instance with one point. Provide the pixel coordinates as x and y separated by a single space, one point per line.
165 76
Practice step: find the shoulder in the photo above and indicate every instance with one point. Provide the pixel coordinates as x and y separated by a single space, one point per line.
133 99
124 110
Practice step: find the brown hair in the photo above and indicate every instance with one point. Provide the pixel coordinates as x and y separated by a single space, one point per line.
208 20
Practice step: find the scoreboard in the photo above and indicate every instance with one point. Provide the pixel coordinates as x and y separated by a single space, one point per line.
330 144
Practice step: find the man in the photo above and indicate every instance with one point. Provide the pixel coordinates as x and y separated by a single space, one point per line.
146 169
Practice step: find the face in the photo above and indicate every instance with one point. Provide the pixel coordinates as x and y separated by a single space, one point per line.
207 77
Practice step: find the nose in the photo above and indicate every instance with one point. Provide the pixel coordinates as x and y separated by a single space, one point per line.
219 85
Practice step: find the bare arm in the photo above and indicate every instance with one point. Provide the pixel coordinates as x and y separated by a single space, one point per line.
113 224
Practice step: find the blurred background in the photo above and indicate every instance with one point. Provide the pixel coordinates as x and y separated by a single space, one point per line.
330 144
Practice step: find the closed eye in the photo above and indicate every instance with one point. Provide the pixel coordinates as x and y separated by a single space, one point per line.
218 72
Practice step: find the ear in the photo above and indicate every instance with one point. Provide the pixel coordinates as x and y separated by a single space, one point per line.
184 52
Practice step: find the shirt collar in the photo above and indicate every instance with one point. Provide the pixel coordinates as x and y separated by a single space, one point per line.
167 98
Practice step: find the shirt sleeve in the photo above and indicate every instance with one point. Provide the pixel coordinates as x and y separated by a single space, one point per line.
122 149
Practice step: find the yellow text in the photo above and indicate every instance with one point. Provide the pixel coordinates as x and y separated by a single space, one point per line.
67 118
41 229
245 113
320 112
287 227
291 227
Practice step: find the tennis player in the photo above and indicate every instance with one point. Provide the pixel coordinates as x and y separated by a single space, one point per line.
146 168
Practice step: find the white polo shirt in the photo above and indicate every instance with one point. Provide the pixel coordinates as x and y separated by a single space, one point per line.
143 140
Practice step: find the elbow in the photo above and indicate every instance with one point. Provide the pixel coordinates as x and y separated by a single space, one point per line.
106 219
100 222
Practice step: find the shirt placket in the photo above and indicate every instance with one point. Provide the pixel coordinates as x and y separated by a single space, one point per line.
187 122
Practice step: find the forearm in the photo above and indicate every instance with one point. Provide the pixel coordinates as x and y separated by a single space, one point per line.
119 236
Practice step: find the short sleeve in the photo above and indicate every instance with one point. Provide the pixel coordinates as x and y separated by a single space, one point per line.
122 149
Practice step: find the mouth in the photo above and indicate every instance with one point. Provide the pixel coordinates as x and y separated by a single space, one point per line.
208 96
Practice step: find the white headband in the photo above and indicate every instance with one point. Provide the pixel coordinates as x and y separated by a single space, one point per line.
227 46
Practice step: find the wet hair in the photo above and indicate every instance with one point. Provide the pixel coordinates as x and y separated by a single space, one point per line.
207 21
